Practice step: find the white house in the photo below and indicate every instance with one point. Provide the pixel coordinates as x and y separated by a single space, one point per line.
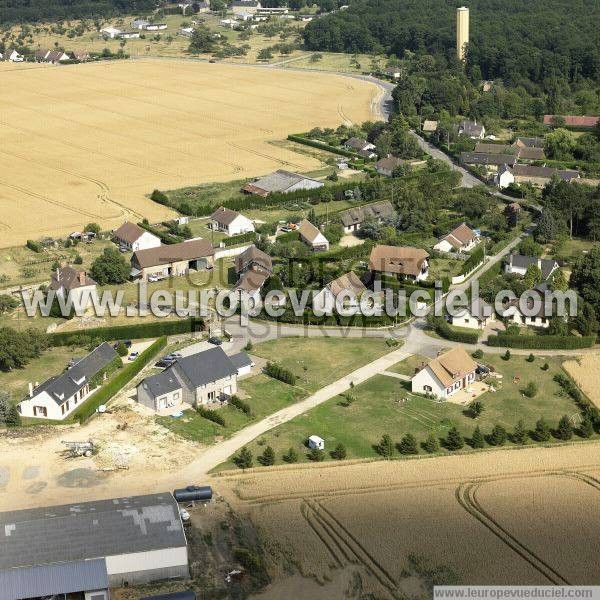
11 55
60 395
110 32
476 316
312 237
230 222
460 239
517 264
471 129
326 300
445 375
504 177
134 238
316 443
531 316
358 144
208 377
76 285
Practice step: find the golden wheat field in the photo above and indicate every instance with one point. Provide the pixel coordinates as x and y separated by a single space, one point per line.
586 373
88 142
392 529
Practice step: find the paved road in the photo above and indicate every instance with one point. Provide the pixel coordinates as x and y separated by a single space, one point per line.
221 451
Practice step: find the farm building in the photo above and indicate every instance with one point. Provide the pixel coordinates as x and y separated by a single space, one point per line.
110 32
402 262
460 239
173 260
90 547
537 176
75 284
353 219
312 237
445 375
133 237
476 316
60 395
230 222
348 288
282 182
571 121
517 264
208 377
316 443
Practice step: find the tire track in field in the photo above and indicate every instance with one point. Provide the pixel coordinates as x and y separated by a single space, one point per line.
466 496
320 532
254 152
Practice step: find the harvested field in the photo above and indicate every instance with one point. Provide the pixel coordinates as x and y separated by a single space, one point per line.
586 373
88 142
400 526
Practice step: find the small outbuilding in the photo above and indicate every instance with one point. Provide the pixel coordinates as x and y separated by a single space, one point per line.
316 443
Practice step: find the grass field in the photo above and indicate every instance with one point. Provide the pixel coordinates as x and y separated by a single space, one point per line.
88 142
378 409
319 361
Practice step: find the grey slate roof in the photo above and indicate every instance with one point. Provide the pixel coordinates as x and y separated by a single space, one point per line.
482 158
161 384
520 261
59 578
205 367
73 532
377 210
279 181
62 387
241 359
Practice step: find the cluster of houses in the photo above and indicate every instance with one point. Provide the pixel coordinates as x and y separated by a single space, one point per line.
42 55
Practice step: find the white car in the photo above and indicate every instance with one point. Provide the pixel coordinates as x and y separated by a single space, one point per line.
152 278
133 355
184 514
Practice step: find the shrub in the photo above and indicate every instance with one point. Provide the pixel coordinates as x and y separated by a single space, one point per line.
278 372
454 440
541 432
531 390
542 342
120 380
475 259
239 239
322 145
291 456
316 455
444 330
408 445
475 409
122 349
431 444
477 440
267 458
385 447
506 355
160 197
244 459
545 366
498 436
531 358
339 453
212 415
34 246
586 428
238 403
347 399
564 430
478 354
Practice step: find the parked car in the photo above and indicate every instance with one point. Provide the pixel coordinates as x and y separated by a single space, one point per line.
133 355
215 340
152 278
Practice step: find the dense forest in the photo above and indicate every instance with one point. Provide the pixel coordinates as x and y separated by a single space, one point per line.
14 11
513 40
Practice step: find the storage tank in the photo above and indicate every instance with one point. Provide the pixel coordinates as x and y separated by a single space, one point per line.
193 493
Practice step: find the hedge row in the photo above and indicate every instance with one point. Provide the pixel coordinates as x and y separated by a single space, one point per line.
475 259
444 330
322 146
127 332
118 382
541 342
278 372
239 239
211 415
165 238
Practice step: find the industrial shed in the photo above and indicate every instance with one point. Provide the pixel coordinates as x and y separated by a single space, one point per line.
87 547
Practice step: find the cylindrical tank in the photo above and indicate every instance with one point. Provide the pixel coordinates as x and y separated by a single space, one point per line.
198 493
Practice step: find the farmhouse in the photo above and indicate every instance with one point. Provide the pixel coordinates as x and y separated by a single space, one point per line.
11 55
312 237
387 165
485 148
476 316
349 285
230 222
402 262
133 237
253 267
282 182
358 144
247 5
491 161
172 260
393 72
517 264
110 32
81 55
74 284
207 377
354 218
471 129
571 121
460 239
445 375
88 547
58 396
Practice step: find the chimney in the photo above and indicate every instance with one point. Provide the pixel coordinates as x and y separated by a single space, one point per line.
37 383
57 273
30 389
82 277
539 264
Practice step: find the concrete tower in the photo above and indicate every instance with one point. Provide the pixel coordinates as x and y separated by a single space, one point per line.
462 31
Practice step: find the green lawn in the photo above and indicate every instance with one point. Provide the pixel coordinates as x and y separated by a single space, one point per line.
319 361
408 365
378 409
265 396
444 267
200 228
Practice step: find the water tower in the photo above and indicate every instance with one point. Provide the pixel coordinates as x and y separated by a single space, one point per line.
462 31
